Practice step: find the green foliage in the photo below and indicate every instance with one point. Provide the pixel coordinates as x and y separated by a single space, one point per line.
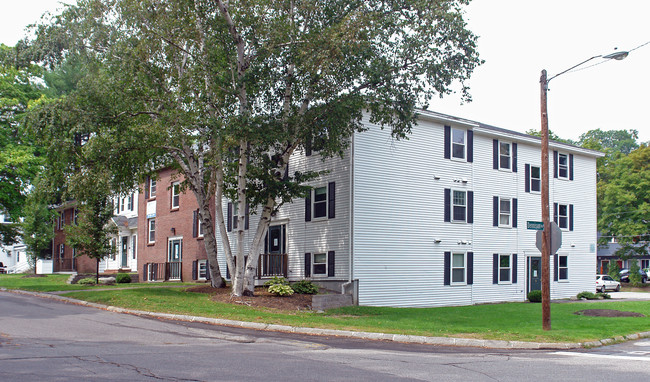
535 296
86 281
123 278
36 227
276 281
635 278
587 295
280 290
604 296
551 135
304 287
614 270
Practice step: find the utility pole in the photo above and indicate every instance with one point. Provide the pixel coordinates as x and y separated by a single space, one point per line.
546 218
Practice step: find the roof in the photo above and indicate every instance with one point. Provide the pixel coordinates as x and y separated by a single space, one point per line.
501 132
123 221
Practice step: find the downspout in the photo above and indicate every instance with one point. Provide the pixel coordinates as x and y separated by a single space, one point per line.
350 212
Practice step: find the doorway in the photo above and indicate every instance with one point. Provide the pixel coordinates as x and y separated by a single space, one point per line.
125 251
534 273
175 258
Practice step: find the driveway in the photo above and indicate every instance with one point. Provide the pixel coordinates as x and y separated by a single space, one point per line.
630 295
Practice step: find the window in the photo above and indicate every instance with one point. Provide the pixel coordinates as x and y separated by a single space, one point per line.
199 225
459 206
458 268
130 203
202 269
505 212
113 249
645 264
562 216
535 179
61 251
458 143
319 264
152 188
176 189
505 269
122 204
504 155
562 166
152 230
232 216
6 218
563 267
320 202
76 215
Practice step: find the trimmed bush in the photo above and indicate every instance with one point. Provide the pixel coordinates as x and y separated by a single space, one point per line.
281 290
587 295
535 296
604 296
123 278
87 281
304 287
276 281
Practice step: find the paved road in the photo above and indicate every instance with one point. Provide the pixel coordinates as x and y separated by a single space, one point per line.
45 340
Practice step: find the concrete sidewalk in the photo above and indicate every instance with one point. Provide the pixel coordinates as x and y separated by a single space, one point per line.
438 341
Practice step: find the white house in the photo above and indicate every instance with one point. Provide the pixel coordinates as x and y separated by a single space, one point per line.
13 258
125 241
438 219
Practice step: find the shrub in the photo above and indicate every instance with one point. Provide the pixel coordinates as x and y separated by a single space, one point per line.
123 278
276 281
604 296
587 295
281 290
87 281
535 296
613 270
304 287
635 277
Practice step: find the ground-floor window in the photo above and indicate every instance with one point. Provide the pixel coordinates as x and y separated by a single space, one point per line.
458 268
202 269
645 264
505 269
563 267
319 264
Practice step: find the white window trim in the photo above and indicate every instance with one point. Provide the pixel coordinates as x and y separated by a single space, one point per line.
199 263
313 202
199 226
313 264
451 207
559 217
153 186
509 169
175 193
451 145
530 185
509 268
559 273
451 269
149 230
509 225
559 176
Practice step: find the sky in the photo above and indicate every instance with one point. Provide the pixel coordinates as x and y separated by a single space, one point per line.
517 39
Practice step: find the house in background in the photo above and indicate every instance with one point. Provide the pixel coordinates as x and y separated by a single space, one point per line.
125 241
171 236
606 254
438 219
13 258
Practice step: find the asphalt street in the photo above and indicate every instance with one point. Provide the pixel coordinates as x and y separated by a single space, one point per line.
46 340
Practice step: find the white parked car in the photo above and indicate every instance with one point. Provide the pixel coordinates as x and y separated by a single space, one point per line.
605 283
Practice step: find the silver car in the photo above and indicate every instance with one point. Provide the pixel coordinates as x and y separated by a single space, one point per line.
605 283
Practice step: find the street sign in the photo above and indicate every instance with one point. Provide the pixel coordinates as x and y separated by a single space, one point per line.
556 238
538 226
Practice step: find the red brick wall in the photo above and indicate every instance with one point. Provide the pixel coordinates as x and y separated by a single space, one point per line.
170 222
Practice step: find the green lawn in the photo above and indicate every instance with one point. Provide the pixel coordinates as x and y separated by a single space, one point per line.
508 321
51 283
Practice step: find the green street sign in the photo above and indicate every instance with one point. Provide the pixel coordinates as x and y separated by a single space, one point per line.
537 226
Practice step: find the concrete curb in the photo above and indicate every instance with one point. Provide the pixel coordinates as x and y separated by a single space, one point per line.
439 341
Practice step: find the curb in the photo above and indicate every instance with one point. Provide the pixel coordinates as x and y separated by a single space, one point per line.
402 338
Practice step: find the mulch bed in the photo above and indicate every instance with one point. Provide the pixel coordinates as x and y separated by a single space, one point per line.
607 313
262 298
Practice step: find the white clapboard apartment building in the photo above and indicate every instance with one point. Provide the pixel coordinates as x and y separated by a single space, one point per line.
438 219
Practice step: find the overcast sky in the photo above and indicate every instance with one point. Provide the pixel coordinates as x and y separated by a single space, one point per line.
517 40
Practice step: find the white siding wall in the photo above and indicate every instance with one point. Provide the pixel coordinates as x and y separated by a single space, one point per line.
318 235
398 212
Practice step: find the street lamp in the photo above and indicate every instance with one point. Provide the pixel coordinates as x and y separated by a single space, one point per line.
546 234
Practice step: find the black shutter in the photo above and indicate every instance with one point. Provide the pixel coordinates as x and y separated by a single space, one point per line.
554 164
514 268
527 177
284 238
266 242
447 206
470 146
514 212
470 268
246 220
470 206
207 270
555 267
331 199
570 217
495 154
308 207
194 269
228 271
144 272
555 212
195 223
570 166
146 187
447 269
495 268
514 157
229 218
307 264
447 142
330 264
495 211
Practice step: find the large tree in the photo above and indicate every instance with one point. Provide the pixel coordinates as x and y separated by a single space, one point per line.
227 91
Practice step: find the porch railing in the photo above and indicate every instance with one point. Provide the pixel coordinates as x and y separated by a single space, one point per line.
163 271
272 265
